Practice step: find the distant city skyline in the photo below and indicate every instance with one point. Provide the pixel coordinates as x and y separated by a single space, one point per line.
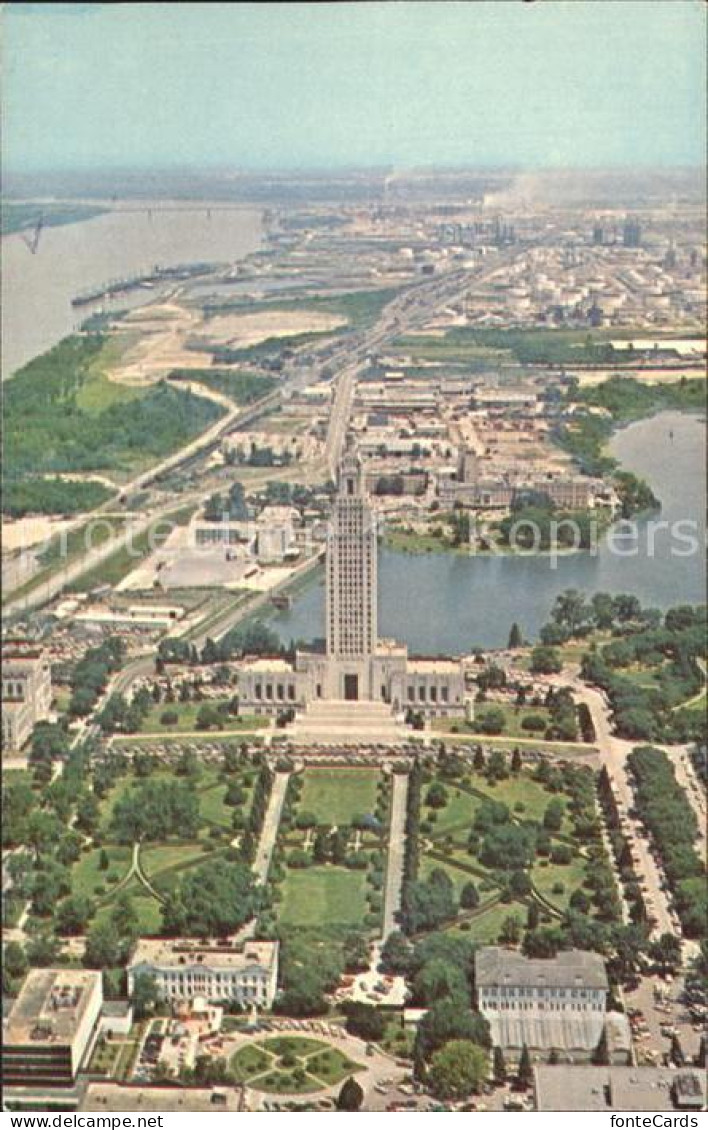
261 87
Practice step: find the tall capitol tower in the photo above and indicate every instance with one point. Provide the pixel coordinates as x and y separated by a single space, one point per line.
352 632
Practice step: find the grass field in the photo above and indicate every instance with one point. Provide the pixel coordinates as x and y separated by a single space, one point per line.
486 928
337 796
87 876
324 894
571 876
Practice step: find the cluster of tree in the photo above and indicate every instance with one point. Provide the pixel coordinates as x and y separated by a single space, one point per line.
546 660
121 716
411 852
231 506
212 900
242 385
156 810
585 436
621 847
294 494
389 485
46 429
542 527
51 496
427 903
312 962
439 968
665 810
90 676
649 713
259 804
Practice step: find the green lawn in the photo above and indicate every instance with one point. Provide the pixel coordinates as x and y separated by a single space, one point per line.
459 811
162 857
337 796
458 877
519 788
570 875
486 928
87 875
323 894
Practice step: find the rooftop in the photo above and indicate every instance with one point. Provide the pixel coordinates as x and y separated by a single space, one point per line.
191 953
618 1088
51 1005
272 664
120 1097
569 969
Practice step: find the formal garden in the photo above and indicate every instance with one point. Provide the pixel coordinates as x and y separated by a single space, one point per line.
330 859
291 1065
501 844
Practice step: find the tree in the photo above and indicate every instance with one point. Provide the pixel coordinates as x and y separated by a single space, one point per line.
457 1069
213 900
515 637
364 1020
499 1067
73 913
516 760
42 950
469 896
351 1096
492 721
553 816
397 953
524 1074
438 980
103 947
570 610
666 953
676 1054
496 767
209 717
478 760
546 660
14 963
510 932
436 796
450 1019
146 995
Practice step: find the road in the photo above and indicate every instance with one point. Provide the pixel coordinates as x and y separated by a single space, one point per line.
613 752
271 822
396 850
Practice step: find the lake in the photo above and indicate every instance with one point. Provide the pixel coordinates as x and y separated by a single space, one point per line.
37 289
446 603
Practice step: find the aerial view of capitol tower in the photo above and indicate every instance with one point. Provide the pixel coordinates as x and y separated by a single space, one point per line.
351 583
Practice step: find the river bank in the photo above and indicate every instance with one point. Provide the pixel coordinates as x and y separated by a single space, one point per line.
129 240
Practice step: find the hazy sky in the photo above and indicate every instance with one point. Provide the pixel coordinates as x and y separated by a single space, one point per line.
267 86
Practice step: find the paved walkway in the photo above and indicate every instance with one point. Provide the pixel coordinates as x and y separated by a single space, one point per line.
271 822
614 752
396 851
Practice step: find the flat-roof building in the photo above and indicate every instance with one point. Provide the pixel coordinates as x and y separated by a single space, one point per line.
618 1088
50 1027
547 1004
186 968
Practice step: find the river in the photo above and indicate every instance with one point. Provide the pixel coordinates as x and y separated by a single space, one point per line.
446 603
37 288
